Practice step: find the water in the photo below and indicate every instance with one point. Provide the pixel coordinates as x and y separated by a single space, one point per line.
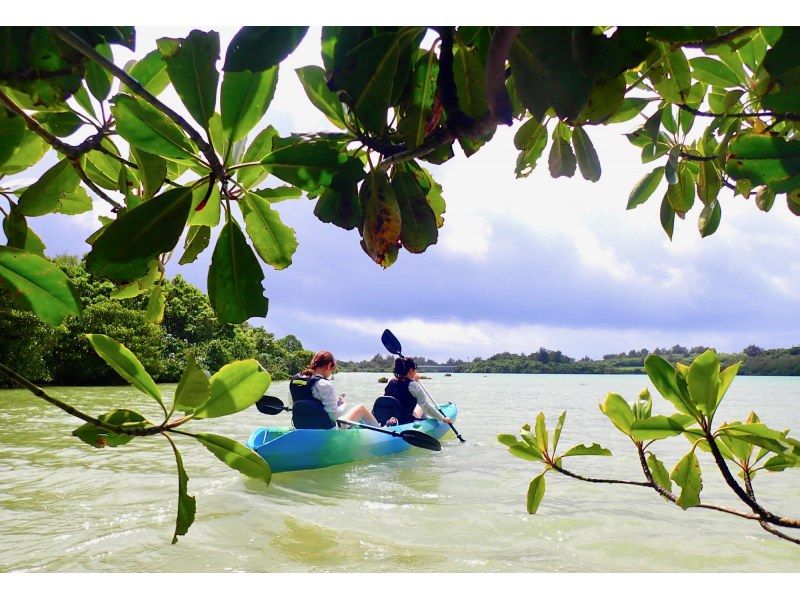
65 506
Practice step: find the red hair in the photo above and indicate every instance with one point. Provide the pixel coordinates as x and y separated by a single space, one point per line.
321 359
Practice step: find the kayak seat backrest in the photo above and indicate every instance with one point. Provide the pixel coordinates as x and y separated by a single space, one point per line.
384 408
310 415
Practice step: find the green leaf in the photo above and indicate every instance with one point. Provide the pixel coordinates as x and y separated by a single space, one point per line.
535 494
703 382
587 450
152 171
418 229
274 242
197 240
191 66
667 216
588 162
419 107
234 278
234 387
258 149
45 195
525 451
340 204
155 305
708 183
206 208
557 431
470 77
20 235
530 139
656 428
278 194
630 108
100 437
125 363
60 124
148 129
98 80
313 80
507 439
681 196
541 433
726 377
382 225
137 287
20 148
710 218
308 165
125 248
764 160
663 377
713 72
236 456
244 100
561 161
187 505
659 472
687 475
150 72
260 48
38 286
193 389
646 186
619 412
765 199
781 462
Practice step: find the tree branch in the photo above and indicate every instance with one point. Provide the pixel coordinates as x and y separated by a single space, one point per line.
76 164
496 93
695 158
598 480
722 39
766 113
748 484
81 46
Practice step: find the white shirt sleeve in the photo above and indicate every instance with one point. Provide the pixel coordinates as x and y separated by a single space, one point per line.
325 392
427 406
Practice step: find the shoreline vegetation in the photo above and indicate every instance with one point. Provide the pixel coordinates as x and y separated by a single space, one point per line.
187 325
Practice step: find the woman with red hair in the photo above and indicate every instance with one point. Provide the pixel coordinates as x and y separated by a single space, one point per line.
313 383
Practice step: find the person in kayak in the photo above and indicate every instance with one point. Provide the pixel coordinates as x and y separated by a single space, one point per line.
313 383
409 393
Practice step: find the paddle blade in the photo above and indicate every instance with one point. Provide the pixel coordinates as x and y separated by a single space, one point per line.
391 343
270 405
420 439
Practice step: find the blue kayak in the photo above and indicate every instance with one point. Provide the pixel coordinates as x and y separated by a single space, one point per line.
287 449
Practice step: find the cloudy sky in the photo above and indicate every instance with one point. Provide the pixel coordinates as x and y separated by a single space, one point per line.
520 263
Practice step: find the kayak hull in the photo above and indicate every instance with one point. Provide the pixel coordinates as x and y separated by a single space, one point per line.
287 449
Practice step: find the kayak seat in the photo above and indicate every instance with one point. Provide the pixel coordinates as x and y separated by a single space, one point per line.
310 415
385 408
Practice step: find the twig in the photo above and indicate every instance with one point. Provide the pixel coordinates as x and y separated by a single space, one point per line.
598 480
766 113
695 158
76 164
722 39
81 46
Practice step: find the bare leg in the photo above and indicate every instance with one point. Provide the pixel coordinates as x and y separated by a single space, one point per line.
361 414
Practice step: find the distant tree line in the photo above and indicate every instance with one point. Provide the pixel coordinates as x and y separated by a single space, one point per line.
62 355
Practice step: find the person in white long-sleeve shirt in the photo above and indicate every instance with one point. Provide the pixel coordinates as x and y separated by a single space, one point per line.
313 383
414 403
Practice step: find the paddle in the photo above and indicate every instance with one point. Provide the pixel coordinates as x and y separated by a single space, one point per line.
273 406
394 347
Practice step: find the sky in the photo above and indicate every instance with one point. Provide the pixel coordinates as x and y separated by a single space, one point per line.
519 264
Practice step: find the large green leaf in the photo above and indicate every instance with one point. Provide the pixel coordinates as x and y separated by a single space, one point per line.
507 439
197 239
703 381
525 451
98 80
150 72
156 303
587 450
52 188
278 194
709 220
126 364
687 475
530 139
258 149
646 186
656 428
308 165
274 242
236 456
713 72
37 285
382 225
20 235
726 377
260 48
470 77
137 287
561 161
663 377
316 87
100 437
191 66
419 105
535 494
234 278
244 100
60 124
152 171
667 217
193 388
187 505
588 162
20 148
340 204
557 431
659 472
234 387
206 206
618 411
124 249
541 433
150 130
418 229
764 160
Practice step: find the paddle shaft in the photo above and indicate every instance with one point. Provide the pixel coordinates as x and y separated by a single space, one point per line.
432 402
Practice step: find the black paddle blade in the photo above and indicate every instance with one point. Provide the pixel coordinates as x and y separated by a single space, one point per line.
391 343
270 405
420 439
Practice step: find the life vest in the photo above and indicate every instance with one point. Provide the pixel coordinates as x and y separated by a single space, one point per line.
398 388
300 388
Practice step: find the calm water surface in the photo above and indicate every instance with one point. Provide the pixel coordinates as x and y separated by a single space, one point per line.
67 507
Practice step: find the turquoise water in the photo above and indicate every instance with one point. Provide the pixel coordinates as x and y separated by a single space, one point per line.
67 507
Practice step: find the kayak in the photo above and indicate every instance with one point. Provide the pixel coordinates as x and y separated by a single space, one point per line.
288 449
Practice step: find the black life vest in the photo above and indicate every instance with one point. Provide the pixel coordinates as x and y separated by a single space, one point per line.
398 388
300 388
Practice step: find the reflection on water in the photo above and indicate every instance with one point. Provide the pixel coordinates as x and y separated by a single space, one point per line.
69 507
